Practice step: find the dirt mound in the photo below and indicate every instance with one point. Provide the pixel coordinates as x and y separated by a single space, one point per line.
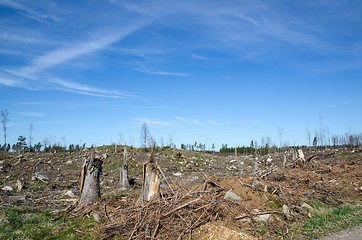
218 231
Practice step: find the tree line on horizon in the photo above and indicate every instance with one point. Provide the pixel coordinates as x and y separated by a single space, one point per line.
321 139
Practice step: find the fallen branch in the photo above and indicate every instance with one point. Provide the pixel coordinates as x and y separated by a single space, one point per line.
280 188
187 194
246 185
213 183
311 157
105 212
68 210
182 206
164 177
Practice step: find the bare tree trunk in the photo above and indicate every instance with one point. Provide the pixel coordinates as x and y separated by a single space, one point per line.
4 120
124 172
150 182
90 189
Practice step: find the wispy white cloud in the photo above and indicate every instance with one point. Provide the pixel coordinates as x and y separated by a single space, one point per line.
39 70
10 82
87 90
247 18
339 104
65 85
188 121
195 122
153 122
196 56
32 114
8 36
29 12
182 119
141 68
212 122
64 55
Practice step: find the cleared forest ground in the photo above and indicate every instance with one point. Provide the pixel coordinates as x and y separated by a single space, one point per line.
268 201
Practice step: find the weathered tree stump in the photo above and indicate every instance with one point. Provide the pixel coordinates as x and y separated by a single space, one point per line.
123 178
150 181
37 176
90 188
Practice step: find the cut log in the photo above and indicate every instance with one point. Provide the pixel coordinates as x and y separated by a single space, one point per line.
90 188
123 178
150 181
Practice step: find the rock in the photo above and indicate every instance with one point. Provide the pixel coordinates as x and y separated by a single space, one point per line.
261 218
286 210
7 188
231 195
178 174
104 155
69 162
96 217
69 193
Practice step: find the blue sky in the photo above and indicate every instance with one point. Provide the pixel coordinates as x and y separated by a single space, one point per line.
206 71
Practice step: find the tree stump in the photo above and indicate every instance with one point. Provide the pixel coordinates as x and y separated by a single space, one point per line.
90 188
150 181
123 178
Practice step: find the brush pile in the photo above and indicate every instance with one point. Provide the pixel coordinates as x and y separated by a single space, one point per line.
172 216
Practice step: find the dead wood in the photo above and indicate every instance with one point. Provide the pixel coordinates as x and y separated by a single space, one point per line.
182 206
150 181
164 177
169 217
37 176
311 157
90 186
124 181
